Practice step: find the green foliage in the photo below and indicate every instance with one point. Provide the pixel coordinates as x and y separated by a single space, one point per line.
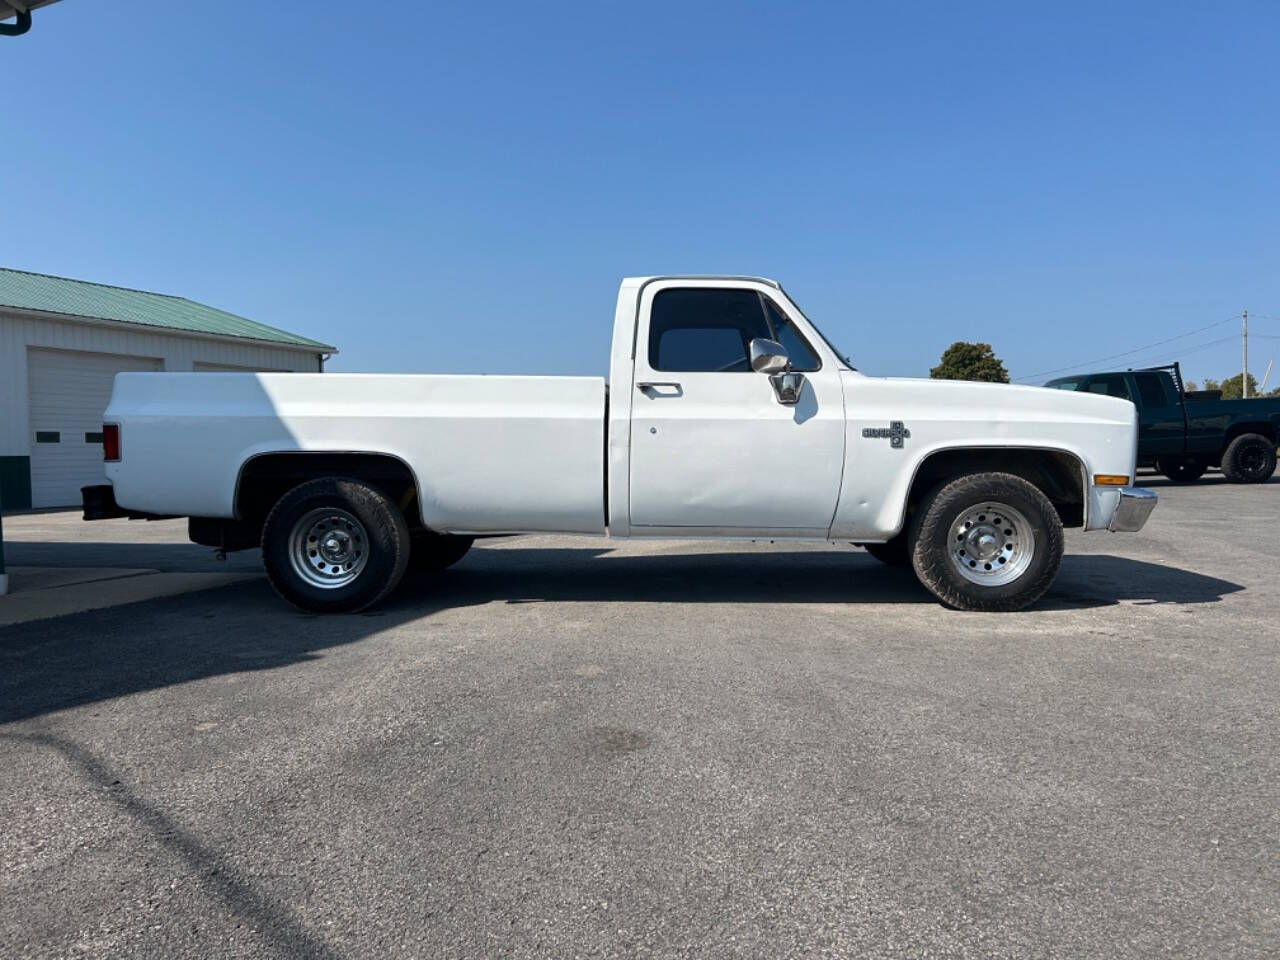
1231 387
1190 385
970 361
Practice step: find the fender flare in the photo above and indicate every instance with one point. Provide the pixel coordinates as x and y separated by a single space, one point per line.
1022 448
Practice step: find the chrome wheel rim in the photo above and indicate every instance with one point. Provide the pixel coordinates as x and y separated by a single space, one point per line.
328 548
991 544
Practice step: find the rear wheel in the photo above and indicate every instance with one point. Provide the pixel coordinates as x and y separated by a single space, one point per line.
437 552
335 545
1249 458
1182 469
986 541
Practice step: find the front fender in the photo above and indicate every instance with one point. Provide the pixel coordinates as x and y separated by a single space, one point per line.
862 518
1099 433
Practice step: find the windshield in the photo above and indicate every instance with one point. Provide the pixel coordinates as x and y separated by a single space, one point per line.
1066 383
816 329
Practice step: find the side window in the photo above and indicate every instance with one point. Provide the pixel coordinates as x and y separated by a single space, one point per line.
1075 384
705 330
803 358
1111 384
1151 389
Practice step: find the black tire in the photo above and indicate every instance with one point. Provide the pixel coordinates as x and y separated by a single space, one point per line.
1182 469
1037 557
1249 458
377 545
436 552
893 553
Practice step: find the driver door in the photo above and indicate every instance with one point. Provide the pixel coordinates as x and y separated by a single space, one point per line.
711 445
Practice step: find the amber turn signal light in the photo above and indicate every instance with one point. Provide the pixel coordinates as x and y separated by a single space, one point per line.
1110 480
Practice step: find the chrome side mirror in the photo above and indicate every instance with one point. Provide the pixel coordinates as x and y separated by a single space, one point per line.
768 356
787 387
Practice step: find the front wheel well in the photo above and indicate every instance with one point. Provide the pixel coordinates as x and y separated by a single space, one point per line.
1058 474
264 479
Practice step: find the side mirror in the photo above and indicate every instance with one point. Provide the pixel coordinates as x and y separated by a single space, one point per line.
787 387
768 356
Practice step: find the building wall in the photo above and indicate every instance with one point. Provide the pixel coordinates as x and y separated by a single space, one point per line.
19 331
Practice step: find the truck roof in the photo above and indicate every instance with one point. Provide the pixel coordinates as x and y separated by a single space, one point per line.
1173 370
641 281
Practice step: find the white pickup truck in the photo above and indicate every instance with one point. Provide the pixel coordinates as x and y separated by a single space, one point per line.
727 414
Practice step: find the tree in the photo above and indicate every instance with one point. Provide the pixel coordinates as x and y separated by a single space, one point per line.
970 361
1231 387
1211 384
1189 386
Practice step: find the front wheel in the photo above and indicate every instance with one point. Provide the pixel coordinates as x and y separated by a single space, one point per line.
1249 458
986 541
335 545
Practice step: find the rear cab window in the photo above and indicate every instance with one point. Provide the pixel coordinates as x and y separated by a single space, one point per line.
1151 388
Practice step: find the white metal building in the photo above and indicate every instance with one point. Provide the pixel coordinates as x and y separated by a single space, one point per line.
61 344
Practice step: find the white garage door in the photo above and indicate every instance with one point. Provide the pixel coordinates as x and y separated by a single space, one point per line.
201 367
68 391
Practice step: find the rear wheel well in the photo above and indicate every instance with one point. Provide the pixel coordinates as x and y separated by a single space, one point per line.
1059 475
265 479
1236 429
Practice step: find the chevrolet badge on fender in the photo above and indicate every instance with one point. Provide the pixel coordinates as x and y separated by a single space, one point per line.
895 432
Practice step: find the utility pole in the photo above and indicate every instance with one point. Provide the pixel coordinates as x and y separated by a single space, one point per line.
1244 370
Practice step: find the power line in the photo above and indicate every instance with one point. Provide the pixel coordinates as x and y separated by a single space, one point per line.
1185 351
1127 353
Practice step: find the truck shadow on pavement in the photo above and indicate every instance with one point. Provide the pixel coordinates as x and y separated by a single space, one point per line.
529 575
71 661
519 574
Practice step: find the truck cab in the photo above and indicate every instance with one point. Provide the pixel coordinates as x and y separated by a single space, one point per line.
700 440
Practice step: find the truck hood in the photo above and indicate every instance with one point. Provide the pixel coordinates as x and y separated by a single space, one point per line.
1007 400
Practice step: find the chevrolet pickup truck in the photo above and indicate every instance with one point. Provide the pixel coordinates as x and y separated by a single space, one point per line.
1182 434
727 414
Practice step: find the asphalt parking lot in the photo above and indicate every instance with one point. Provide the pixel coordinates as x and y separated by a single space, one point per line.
570 747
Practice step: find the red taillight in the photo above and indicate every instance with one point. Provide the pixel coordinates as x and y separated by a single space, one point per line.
110 442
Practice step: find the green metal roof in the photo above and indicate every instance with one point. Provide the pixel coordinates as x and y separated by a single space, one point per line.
79 298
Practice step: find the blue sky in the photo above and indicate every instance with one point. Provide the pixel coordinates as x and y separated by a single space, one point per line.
458 188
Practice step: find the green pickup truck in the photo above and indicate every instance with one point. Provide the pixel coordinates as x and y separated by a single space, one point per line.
1183 433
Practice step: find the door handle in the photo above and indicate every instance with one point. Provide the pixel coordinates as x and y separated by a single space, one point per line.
648 385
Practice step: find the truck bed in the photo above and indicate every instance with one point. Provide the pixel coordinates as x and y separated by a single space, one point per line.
490 453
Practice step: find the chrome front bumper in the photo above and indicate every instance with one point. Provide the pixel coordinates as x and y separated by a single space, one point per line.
1136 504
